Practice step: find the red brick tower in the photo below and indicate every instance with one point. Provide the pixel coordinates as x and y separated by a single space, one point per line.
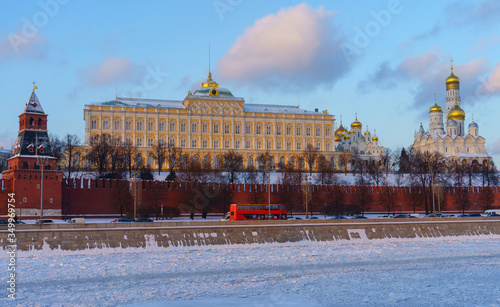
32 157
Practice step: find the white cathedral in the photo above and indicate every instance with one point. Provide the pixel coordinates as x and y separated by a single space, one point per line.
452 142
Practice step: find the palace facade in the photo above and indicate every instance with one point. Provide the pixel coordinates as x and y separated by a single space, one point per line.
211 121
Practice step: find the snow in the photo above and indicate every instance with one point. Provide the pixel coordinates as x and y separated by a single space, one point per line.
445 271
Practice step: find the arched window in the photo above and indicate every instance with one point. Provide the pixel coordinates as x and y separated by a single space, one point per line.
26 165
151 160
218 162
32 121
139 160
40 122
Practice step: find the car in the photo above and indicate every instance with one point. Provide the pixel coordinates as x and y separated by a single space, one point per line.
143 220
294 218
3 222
384 217
312 218
123 220
77 220
401 216
338 217
463 215
45 222
493 215
226 218
19 222
449 215
474 215
357 217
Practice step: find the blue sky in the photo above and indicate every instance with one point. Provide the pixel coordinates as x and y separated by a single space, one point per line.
381 59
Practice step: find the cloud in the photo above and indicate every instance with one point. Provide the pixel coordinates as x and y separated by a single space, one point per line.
426 74
110 71
485 43
16 45
422 36
492 84
297 46
484 13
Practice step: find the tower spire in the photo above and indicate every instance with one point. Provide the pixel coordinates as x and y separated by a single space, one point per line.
451 61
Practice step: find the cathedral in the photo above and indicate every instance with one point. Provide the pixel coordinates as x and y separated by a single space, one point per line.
451 140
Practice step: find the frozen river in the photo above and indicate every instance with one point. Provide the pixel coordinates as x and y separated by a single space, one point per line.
453 271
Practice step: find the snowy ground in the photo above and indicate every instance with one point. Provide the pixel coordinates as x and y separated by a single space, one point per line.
452 271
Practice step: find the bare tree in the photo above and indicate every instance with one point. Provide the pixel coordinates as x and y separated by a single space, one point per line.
233 162
344 159
158 151
99 154
289 188
265 165
310 155
388 199
129 153
71 142
122 198
363 195
376 171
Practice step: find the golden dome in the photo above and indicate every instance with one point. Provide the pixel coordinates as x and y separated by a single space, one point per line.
356 124
456 112
367 132
337 138
347 137
435 108
341 129
375 138
352 132
452 78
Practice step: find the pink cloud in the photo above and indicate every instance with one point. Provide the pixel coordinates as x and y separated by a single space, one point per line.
297 44
492 84
111 70
17 45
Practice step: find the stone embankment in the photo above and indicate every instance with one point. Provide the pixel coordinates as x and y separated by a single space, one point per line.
85 236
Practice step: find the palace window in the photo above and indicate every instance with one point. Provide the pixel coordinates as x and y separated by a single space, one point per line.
237 128
259 144
269 145
172 126
105 124
183 127
171 142
139 126
308 131
288 145
318 146
258 129
216 128
161 126
298 130
299 145
288 130
93 123
193 143
327 131
150 125
151 142
318 131
278 130
226 128
204 128
194 128
248 129
237 144
278 145
128 141
117 124
216 143
226 143
117 140
269 129
248 145
183 143
205 143
327 146
138 141
128 124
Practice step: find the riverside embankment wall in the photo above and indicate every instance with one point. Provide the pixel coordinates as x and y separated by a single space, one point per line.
167 234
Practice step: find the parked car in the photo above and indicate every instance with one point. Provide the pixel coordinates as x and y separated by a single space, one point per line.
359 217
313 218
143 220
77 220
3 222
463 215
449 215
384 217
474 215
226 218
45 222
401 216
19 222
294 218
338 217
123 220
493 215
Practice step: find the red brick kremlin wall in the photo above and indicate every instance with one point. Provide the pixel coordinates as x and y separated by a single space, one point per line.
98 196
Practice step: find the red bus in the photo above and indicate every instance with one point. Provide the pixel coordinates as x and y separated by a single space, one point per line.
256 212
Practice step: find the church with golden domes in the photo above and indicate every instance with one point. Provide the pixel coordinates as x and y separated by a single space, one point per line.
354 140
451 140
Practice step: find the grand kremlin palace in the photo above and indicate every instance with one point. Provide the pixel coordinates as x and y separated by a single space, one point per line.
210 121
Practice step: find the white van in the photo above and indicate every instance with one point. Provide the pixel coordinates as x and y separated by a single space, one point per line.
491 211
77 220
